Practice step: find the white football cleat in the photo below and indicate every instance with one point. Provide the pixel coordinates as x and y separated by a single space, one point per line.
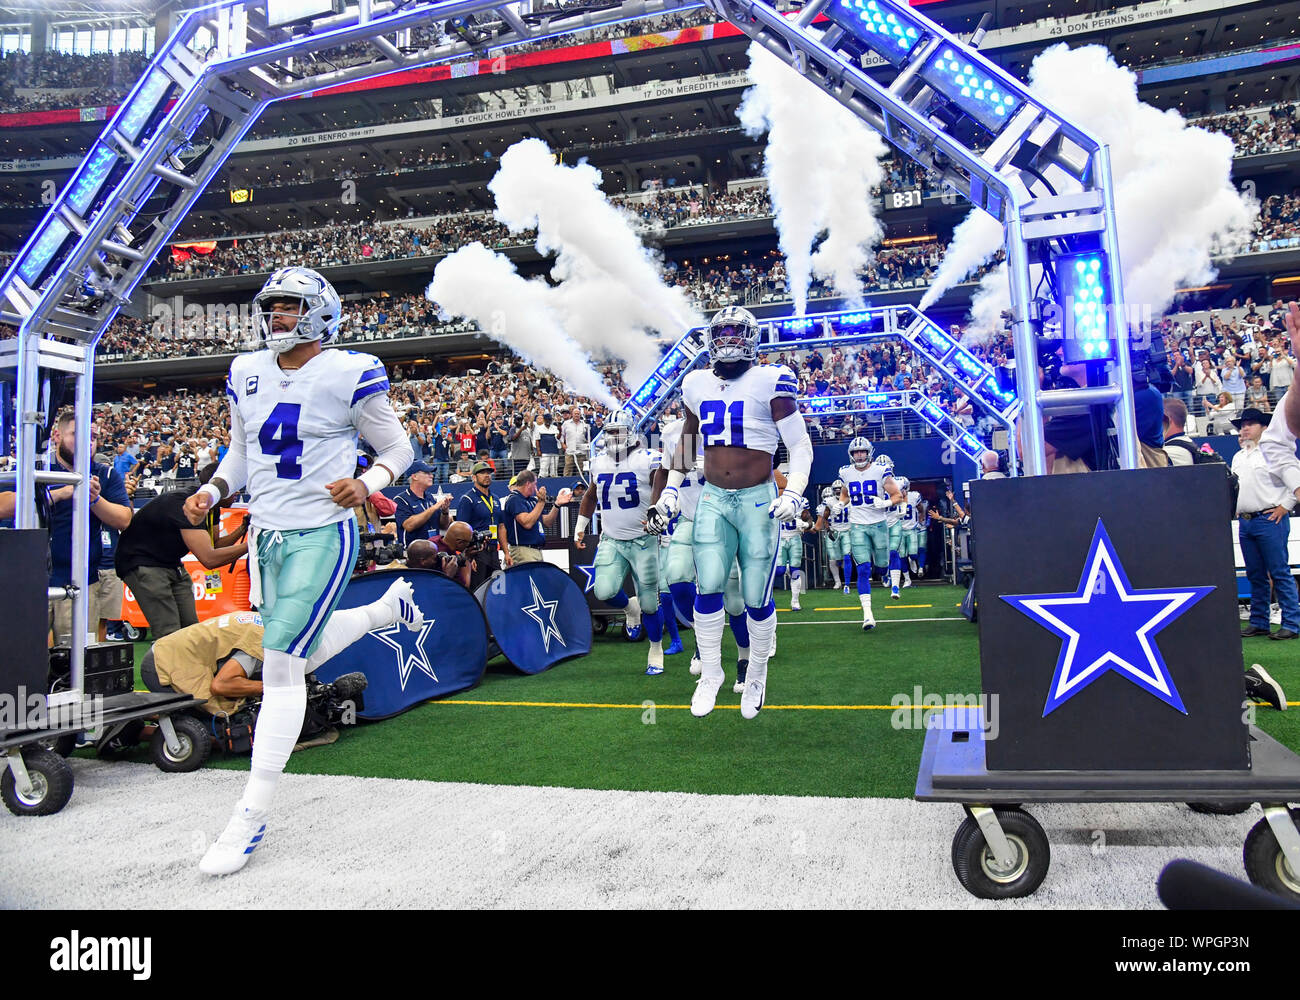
655 660
907 580
706 694
400 599
696 665
751 700
242 835
846 590
868 616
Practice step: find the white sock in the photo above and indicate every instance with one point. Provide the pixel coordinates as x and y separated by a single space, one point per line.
761 634
796 583
279 723
742 652
656 657
835 575
866 601
345 627
633 612
893 577
708 641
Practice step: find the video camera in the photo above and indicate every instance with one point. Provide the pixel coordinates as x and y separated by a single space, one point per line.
327 704
376 548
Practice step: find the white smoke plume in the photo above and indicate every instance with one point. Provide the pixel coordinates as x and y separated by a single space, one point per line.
1174 197
821 164
483 285
974 241
610 292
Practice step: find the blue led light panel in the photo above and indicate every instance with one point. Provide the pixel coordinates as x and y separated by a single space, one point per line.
882 26
1086 321
958 77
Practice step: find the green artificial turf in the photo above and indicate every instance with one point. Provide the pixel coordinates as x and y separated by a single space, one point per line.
806 751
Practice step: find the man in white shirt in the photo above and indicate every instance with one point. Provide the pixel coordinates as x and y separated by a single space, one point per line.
1263 506
573 432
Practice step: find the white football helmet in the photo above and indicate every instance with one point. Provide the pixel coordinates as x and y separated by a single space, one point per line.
837 486
321 310
903 482
830 495
732 336
859 444
620 435
886 463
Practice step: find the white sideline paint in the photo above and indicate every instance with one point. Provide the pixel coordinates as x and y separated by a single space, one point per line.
131 837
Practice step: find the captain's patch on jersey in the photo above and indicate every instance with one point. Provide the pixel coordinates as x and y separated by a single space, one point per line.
250 386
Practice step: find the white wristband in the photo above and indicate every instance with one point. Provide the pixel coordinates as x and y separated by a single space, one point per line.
582 523
372 478
213 492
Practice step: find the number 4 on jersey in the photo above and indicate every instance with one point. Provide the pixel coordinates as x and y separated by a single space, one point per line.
279 438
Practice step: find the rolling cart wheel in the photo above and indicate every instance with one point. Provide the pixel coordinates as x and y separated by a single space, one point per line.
51 779
1219 808
132 633
600 625
1265 863
195 743
979 871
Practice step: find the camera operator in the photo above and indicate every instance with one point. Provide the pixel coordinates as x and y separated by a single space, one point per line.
150 550
453 553
524 509
1264 505
416 508
479 509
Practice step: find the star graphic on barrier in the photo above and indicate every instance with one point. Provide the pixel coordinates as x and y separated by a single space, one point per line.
548 626
395 636
590 573
1108 625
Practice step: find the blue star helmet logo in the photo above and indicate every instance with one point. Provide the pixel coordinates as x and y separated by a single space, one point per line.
409 657
590 573
1108 625
549 629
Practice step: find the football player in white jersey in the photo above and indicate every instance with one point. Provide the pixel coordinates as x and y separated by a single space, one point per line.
620 488
677 562
912 516
869 490
789 553
894 521
833 526
737 412
295 413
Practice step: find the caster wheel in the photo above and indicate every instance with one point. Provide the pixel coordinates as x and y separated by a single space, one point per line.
51 779
1219 808
1265 863
600 625
195 743
979 871
132 633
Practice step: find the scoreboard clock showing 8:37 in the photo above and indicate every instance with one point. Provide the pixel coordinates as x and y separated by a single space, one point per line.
909 198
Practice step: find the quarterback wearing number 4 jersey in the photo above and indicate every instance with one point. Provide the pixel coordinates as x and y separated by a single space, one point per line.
620 490
295 413
737 412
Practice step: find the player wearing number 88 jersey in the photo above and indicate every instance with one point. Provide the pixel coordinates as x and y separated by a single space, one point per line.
295 414
869 491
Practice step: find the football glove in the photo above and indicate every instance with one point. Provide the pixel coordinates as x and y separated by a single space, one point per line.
785 507
882 502
658 516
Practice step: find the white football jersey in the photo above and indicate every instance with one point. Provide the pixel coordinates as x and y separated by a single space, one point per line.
738 412
896 514
912 517
864 486
688 494
623 491
299 431
837 516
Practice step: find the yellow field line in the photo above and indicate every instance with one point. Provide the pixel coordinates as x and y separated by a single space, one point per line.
657 706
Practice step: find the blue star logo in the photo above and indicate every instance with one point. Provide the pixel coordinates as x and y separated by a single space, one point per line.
1108 625
590 573
412 657
549 628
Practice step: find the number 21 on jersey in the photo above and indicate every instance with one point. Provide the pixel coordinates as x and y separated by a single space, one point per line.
721 424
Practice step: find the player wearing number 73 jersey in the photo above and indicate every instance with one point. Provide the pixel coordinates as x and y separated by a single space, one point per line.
295 413
620 488
737 412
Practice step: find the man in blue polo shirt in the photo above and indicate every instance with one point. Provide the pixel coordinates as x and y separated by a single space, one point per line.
526 517
110 507
482 512
418 509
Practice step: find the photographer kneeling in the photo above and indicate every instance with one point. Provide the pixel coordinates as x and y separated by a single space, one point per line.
220 660
454 553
